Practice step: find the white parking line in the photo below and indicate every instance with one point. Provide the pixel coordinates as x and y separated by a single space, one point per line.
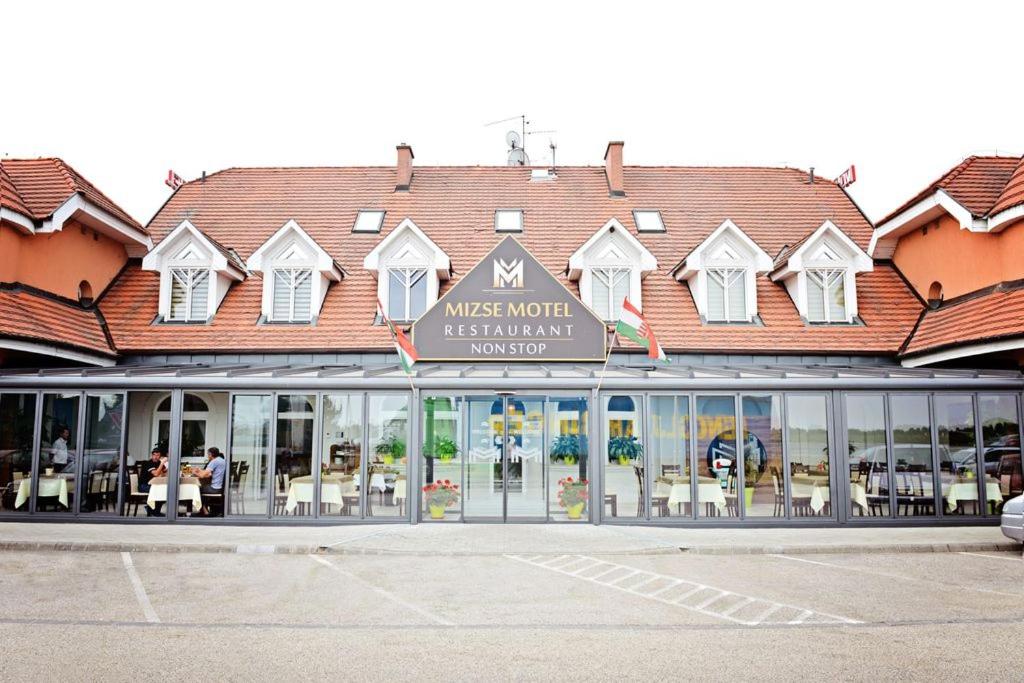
992 557
140 590
730 612
380 591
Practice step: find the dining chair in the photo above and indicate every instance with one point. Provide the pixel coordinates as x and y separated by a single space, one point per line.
135 496
237 489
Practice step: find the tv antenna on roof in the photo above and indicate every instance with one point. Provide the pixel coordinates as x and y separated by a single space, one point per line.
516 140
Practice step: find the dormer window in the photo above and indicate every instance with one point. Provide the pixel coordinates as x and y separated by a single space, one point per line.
190 294
722 274
820 275
610 267
409 268
292 295
195 274
296 274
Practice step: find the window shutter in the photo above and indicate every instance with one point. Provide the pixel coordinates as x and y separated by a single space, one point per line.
282 295
738 296
417 294
303 292
716 295
200 294
815 298
599 293
619 292
179 295
396 294
837 298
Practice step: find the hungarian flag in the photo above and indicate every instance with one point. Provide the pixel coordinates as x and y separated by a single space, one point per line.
633 326
406 351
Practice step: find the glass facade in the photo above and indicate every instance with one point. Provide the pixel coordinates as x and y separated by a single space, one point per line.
763 466
717 482
387 455
809 455
1000 435
624 457
17 424
867 455
670 445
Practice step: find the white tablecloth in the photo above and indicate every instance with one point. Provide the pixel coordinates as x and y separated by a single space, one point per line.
187 490
859 495
967 489
707 492
815 488
300 490
49 486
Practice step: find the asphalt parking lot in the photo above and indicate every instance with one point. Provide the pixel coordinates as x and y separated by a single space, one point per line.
121 615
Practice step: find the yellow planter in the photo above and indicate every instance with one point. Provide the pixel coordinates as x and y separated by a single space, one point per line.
436 511
575 511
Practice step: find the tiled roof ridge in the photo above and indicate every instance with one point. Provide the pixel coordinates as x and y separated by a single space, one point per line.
36 291
1013 193
999 287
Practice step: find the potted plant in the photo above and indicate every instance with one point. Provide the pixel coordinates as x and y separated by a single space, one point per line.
439 496
625 448
445 449
573 496
567 448
389 448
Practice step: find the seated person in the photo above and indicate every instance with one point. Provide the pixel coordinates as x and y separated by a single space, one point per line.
211 477
155 467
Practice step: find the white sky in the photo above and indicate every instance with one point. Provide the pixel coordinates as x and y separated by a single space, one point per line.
903 90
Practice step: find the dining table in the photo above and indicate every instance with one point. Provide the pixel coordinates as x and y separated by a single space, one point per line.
709 490
188 490
957 490
50 486
814 486
333 490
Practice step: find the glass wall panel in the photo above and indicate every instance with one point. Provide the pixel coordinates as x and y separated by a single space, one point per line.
762 456
145 456
807 440
58 454
568 482
249 462
716 457
484 488
670 456
912 455
204 469
1000 434
17 422
867 459
340 457
104 422
387 470
524 469
958 454
442 455
293 450
624 454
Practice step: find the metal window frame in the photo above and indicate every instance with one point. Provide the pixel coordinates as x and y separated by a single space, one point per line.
121 468
15 514
72 511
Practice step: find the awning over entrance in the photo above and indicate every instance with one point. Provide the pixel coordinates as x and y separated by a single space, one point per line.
512 376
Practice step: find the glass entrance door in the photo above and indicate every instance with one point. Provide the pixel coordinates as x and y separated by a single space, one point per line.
505 472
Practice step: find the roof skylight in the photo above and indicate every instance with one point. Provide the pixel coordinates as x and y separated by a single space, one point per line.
648 220
508 220
368 220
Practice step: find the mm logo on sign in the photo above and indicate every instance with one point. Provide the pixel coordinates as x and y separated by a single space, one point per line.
508 274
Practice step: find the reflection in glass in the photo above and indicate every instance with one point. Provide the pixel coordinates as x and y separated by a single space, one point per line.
807 438
17 421
868 463
104 421
1000 434
484 493
58 455
762 456
912 455
387 470
250 454
958 454
567 457
341 457
624 455
716 456
669 456
442 458
525 459
294 453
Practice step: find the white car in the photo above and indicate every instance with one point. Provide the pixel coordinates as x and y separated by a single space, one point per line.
1013 519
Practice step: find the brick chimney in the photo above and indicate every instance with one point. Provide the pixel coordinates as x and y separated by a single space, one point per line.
405 157
613 169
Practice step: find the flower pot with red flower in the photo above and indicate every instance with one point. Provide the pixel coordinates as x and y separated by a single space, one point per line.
439 496
573 496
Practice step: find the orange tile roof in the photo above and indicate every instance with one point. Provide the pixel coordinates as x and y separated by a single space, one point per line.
37 187
1013 194
35 316
454 206
978 183
991 314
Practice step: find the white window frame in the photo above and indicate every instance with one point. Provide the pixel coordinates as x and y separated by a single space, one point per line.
822 276
612 246
295 278
501 216
369 221
189 286
407 272
408 247
729 273
613 271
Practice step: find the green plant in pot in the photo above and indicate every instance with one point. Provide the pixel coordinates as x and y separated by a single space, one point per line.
567 448
624 448
390 448
444 449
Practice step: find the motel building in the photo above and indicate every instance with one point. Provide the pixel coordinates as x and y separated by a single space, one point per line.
823 370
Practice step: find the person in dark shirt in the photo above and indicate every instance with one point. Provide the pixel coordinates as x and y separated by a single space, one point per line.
156 466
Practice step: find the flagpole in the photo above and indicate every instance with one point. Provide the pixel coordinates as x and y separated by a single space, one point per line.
611 347
394 340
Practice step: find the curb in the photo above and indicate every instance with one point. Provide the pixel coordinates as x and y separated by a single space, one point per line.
250 549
